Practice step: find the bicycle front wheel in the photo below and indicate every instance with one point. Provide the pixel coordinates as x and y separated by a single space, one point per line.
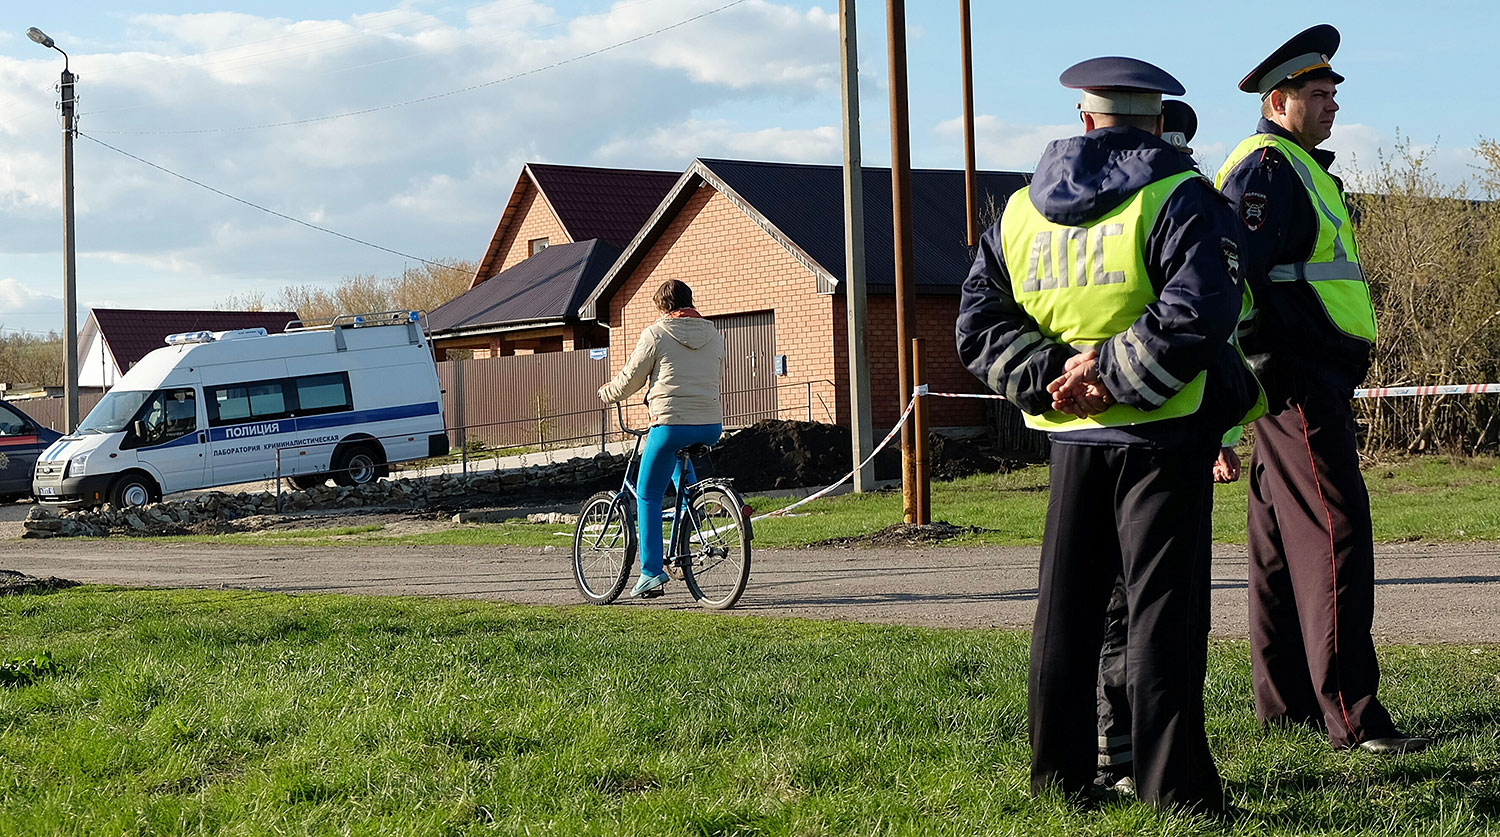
717 549
603 548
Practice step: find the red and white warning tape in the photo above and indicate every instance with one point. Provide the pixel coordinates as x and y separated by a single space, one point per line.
1436 389
1372 392
905 414
1367 392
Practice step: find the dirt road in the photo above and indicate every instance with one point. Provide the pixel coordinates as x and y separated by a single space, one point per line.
1425 592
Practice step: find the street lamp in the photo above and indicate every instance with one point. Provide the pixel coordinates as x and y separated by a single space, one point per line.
70 263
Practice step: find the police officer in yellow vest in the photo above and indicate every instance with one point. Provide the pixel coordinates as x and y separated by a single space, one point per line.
1102 304
1312 563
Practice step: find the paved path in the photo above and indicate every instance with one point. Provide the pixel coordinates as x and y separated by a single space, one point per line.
1425 592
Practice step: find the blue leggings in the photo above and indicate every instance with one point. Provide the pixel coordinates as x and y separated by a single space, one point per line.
658 461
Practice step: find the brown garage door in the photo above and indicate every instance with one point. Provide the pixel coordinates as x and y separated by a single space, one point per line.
749 385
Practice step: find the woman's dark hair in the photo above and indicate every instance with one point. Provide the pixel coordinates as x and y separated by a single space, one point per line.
673 295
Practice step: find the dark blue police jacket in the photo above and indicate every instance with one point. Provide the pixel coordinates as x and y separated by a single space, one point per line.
1190 260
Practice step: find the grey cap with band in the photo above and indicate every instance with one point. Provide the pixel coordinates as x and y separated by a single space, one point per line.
1123 86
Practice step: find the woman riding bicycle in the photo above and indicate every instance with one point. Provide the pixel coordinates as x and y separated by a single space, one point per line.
682 355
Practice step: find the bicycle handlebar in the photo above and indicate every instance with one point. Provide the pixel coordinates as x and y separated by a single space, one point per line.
620 416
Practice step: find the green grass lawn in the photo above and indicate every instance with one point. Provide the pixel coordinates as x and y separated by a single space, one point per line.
1429 498
245 713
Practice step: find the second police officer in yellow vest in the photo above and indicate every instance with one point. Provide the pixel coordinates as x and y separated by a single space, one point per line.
1103 305
1312 567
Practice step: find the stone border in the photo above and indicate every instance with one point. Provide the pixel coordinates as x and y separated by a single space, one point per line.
206 511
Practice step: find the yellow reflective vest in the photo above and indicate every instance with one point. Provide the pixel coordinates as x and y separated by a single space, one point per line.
1333 271
1084 285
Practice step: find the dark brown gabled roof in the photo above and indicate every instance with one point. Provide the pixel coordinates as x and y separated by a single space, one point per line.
608 204
802 208
129 334
546 288
590 202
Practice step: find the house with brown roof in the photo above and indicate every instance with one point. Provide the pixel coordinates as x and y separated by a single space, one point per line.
115 339
517 307
762 245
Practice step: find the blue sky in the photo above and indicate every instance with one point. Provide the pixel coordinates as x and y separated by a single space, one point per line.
186 85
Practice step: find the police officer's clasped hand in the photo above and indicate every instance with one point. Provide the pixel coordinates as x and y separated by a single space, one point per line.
1227 466
1079 391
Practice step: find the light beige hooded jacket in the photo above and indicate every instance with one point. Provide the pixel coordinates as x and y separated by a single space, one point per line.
683 357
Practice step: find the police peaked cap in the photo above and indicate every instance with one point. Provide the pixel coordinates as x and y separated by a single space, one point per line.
1303 58
1179 117
1126 86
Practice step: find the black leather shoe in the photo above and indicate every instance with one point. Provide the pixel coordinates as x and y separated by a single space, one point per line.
1395 744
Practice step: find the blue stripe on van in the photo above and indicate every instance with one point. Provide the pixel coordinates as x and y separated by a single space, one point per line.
363 416
279 427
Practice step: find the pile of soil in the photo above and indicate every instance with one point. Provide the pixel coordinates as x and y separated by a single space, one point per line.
905 534
775 454
13 583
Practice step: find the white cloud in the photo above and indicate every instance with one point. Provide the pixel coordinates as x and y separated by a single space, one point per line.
427 179
1361 149
25 309
720 138
1005 145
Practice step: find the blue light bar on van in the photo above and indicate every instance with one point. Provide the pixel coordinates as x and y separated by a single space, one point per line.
413 317
190 337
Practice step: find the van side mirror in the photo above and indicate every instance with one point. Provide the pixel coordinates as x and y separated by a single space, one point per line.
138 429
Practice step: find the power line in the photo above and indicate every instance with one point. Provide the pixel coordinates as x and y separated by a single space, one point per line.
265 209
436 96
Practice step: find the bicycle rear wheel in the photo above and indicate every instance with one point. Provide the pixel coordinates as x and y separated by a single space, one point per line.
717 547
603 548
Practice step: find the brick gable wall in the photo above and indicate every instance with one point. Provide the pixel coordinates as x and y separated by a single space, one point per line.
533 219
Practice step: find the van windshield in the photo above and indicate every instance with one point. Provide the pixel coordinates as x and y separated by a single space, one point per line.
113 412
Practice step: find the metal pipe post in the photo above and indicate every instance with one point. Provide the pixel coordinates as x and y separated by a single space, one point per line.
923 509
906 290
970 185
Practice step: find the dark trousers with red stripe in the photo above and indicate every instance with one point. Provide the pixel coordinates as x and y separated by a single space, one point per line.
1145 513
1312 572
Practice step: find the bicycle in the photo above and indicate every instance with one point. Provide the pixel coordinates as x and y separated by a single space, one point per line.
708 547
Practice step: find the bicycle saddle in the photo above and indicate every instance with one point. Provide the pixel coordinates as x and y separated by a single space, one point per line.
694 451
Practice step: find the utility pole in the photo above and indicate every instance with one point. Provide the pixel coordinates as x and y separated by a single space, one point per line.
861 427
70 261
906 290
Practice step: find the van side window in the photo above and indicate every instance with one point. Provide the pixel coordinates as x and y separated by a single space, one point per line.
305 395
167 414
323 394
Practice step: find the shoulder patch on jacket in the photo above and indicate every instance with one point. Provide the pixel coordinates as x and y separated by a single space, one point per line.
1253 206
1231 253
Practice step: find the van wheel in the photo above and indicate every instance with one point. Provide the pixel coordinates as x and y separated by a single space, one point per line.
357 465
306 481
133 489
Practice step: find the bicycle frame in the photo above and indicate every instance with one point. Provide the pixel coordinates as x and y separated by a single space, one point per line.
686 490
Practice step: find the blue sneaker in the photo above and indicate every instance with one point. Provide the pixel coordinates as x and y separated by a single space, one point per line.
647 583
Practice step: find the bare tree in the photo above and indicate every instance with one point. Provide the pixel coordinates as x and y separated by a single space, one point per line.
1430 253
420 288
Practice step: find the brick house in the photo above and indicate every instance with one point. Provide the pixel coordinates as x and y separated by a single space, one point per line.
114 339
762 246
514 307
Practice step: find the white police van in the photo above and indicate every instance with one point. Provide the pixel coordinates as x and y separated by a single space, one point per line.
341 400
